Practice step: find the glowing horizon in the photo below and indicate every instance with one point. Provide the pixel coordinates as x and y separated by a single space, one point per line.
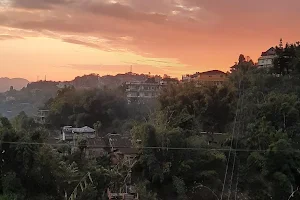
64 39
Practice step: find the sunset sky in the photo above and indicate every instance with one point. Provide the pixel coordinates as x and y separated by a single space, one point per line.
66 38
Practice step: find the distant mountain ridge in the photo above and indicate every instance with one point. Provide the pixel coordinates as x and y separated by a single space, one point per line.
17 83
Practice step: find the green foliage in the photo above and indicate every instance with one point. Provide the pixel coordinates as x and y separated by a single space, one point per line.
190 107
180 187
144 193
23 122
86 107
29 99
287 60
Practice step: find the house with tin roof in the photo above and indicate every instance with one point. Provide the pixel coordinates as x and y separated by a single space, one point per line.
70 133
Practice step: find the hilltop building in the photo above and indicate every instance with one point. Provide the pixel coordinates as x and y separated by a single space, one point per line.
62 85
139 91
214 77
267 58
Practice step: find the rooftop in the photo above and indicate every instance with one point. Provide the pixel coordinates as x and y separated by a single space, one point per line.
270 52
212 72
121 143
96 142
84 129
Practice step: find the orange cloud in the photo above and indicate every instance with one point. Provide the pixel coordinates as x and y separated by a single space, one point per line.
200 35
10 37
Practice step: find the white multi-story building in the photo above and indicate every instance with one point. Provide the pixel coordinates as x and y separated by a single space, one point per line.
139 90
144 90
267 58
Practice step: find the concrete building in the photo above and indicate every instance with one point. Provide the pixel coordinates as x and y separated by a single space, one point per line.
142 90
267 58
214 77
138 91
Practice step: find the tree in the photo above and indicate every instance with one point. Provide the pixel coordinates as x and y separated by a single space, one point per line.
218 109
242 59
23 122
85 108
97 126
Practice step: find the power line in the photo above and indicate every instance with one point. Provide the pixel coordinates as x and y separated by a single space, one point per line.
236 144
231 143
155 147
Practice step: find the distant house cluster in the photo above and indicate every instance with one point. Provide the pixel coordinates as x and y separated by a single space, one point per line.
119 147
150 88
140 91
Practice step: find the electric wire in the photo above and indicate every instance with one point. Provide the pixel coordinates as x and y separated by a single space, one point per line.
231 143
153 147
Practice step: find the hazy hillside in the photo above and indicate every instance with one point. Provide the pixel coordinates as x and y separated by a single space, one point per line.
17 83
28 99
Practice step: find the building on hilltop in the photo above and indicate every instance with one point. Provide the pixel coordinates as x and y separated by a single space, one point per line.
62 85
214 77
140 91
267 58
